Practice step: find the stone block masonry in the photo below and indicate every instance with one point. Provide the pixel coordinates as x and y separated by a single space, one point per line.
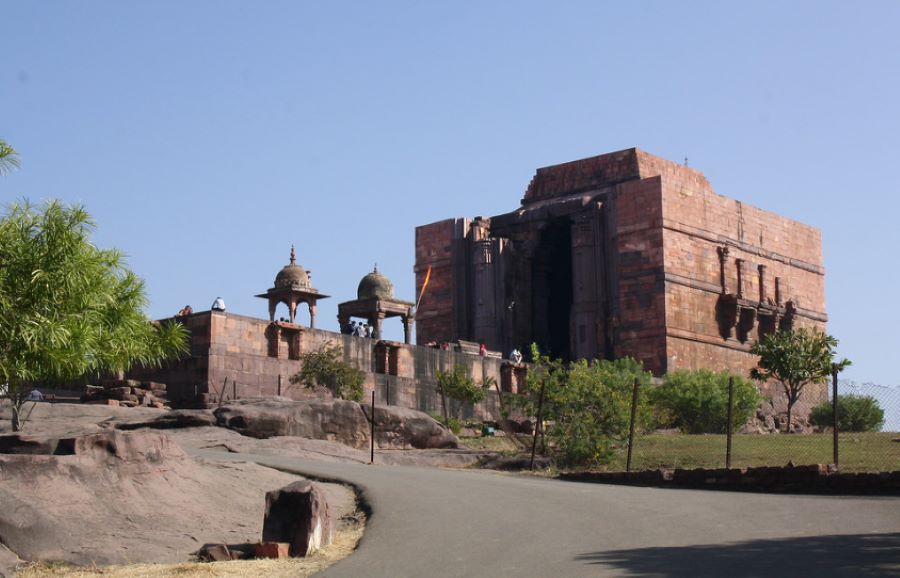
236 357
622 254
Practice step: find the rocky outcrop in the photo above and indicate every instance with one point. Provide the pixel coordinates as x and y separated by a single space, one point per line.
126 393
180 418
117 497
299 515
337 420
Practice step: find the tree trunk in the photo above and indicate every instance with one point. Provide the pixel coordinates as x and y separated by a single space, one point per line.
16 423
790 409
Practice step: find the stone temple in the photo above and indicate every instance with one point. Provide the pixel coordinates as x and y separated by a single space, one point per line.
622 254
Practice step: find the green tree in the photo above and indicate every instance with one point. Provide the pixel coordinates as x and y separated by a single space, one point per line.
696 401
456 384
325 366
855 413
9 158
795 359
586 404
68 308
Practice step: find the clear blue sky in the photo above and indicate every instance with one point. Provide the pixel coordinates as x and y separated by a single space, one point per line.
207 137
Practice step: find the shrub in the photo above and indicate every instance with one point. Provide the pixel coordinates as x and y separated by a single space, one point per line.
856 413
591 410
697 401
587 405
453 424
459 386
325 366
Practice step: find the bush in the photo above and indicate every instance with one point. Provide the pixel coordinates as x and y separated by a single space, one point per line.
856 413
696 401
453 424
587 405
325 366
590 410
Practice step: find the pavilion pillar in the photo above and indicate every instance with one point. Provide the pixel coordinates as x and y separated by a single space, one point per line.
378 322
312 315
407 329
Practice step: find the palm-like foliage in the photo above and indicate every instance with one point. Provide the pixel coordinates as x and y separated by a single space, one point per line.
795 359
9 158
68 308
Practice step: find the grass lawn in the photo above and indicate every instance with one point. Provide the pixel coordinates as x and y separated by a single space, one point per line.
859 452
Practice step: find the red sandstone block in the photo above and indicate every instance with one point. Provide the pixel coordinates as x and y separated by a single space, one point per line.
277 550
114 402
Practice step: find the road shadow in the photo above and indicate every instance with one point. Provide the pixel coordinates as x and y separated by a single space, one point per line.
857 556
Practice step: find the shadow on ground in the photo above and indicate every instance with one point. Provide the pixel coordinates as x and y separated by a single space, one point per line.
853 555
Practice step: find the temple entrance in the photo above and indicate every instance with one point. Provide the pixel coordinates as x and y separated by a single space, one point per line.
551 286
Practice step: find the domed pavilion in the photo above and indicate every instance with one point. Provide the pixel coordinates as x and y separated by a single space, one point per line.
375 302
292 287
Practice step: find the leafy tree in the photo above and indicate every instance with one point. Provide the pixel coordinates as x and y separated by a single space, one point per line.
326 367
855 413
587 404
68 308
697 401
795 359
9 158
456 384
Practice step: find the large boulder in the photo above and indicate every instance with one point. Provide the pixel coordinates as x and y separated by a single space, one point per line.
337 420
298 514
123 497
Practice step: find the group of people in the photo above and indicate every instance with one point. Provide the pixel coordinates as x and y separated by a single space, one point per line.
218 305
359 329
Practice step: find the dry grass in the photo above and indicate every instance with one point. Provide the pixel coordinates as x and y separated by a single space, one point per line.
345 541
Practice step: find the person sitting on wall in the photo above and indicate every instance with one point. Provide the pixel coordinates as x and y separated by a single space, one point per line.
218 304
482 350
185 311
367 330
35 395
515 356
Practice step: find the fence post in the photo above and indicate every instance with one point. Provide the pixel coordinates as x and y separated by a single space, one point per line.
372 455
537 426
729 425
634 398
834 411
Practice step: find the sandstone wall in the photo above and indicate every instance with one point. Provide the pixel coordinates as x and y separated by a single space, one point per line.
252 353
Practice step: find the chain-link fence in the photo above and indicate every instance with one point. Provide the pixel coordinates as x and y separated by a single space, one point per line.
867 440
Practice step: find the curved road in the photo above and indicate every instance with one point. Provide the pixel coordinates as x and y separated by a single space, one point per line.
435 522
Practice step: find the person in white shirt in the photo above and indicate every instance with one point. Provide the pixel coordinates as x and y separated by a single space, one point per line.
218 304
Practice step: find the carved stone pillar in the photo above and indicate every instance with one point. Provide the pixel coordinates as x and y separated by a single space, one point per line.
343 321
762 283
407 329
378 322
312 316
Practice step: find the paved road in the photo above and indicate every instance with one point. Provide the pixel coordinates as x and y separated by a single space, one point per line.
431 522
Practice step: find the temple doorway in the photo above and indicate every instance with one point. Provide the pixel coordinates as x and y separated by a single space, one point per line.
551 285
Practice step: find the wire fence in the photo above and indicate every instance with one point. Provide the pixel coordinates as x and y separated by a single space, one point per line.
876 450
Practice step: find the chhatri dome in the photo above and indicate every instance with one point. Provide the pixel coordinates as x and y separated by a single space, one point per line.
292 288
292 274
375 286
